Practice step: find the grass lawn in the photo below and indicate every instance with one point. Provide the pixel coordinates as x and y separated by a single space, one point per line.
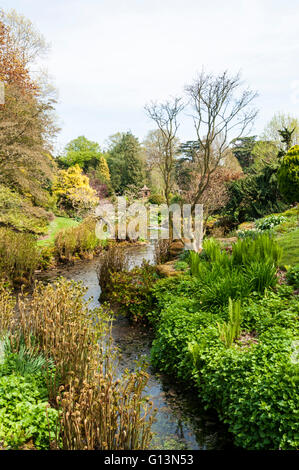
290 244
55 226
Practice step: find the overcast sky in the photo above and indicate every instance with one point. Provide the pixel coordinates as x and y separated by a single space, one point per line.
110 57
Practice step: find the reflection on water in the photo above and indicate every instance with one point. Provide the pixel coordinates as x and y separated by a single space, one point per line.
181 423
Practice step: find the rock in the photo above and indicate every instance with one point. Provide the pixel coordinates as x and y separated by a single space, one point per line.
227 242
167 269
176 247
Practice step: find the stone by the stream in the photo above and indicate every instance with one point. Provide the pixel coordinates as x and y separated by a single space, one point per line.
227 242
176 248
168 269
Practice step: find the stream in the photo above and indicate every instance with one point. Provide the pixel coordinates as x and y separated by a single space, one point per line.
181 421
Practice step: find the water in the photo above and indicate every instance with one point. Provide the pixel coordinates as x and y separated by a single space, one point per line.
181 422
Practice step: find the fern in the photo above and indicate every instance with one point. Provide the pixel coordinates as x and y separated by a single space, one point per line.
231 330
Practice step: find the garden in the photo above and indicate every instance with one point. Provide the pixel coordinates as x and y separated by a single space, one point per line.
135 341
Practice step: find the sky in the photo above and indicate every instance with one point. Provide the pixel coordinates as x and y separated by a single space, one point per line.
109 58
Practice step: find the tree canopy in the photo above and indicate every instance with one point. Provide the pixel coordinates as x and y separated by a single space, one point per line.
82 152
127 168
288 175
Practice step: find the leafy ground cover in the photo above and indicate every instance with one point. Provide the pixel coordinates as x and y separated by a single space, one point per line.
229 329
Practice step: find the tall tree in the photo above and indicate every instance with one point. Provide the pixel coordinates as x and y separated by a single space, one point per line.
26 125
165 142
287 137
264 153
279 122
13 71
242 150
25 38
125 163
221 114
82 152
288 175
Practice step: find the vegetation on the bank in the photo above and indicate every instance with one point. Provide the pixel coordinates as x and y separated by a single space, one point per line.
59 223
227 328
226 324
18 256
77 241
57 376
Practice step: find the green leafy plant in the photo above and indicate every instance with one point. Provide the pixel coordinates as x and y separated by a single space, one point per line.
260 249
25 361
181 266
292 276
231 330
288 175
269 222
132 290
261 275
25 413
157 199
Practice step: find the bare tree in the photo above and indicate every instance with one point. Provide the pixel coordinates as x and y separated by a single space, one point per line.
221 114
26 38
165 116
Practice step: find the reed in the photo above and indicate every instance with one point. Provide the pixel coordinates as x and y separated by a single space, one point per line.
7 309
77 241
97 409
112 260
18 256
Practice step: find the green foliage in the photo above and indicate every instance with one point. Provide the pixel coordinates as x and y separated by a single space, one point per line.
18 255
264 153
269 222
17 212
181 266
24 361
218 284
242 150
244 365
231 330
125 163
73 192
179 322
252 385
57 224
77 241
250 233
156 199
260 275
263 248
254 390
288 175
250 267
254 196
273 129
292 276
82 152
25 413
132 290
